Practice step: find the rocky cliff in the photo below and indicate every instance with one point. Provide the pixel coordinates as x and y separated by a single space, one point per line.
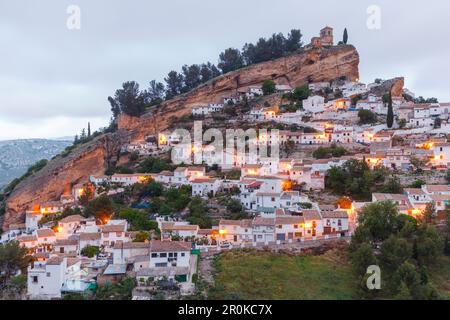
60 174
318 64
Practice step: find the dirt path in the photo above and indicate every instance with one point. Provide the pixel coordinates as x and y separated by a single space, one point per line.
206 268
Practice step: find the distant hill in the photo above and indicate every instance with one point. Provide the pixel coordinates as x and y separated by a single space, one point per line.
17 155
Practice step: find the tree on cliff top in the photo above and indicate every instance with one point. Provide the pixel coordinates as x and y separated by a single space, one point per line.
174 83
345 37
230 60
129 100
390 114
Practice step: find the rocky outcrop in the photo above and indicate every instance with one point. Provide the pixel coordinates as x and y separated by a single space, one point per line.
318 64
395 86
60 174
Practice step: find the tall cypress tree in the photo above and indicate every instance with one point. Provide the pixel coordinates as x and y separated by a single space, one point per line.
345 37
89 129
390 113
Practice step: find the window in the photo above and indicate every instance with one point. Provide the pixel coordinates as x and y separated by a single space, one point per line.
154 255
295 226
182 254
160 265
170 255
35 279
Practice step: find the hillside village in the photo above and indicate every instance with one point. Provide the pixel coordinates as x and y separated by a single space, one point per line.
326 129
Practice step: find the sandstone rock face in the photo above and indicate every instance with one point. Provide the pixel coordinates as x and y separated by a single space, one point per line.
60 174
395 86
318 64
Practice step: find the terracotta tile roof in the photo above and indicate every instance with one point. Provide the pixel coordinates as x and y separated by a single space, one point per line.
440 197
311 215
334 214
27 238
113 228
289 220
203 180
66 242
156 246
45 233
415 191
263 221
182 227
72 218
54 261
90 236
437 188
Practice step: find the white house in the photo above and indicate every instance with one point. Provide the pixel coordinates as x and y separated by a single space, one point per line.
314 104
441 154
207 109
235 231
204 186
263 230
45 279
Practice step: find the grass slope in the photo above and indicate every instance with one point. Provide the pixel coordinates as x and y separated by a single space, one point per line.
262 275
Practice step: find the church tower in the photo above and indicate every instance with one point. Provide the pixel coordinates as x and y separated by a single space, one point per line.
326 35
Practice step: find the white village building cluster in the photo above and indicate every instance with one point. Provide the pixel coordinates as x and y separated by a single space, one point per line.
276 192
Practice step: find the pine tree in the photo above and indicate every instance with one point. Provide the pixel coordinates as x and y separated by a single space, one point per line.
345 38
89 129
83 134
75 140
390 113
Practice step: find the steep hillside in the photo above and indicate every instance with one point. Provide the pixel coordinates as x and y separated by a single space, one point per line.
319 64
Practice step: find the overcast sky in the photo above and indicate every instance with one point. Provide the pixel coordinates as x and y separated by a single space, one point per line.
54 80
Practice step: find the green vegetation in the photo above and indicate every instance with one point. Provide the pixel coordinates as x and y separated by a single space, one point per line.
198 213
328 152
141 236
418 184
427 100
301 93
154 165
119 291
345 36
366 117
235 210
404 248
355 179
102 208
132 101
390 113
58 216
90 251
268 87
138 220
262 275
172 200
393 185
13 258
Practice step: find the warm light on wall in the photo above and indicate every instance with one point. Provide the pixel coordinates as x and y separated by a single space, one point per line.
222 232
